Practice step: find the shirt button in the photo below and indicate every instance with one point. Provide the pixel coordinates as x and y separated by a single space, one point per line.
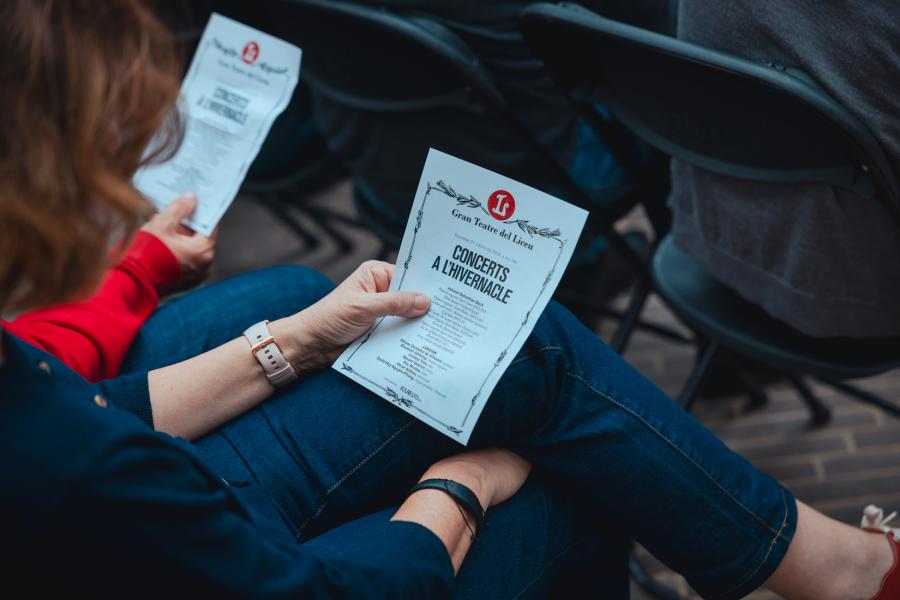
100 401
44 366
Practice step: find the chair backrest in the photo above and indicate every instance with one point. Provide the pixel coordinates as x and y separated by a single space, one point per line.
711 109
372 59
388 86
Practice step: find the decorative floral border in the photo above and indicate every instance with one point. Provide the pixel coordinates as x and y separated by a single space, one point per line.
469 202
523 224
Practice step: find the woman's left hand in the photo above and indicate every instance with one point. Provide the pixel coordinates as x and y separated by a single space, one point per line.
194 251
492 474
323 330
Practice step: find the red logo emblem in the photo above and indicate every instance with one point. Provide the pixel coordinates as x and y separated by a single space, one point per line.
501 205
250 53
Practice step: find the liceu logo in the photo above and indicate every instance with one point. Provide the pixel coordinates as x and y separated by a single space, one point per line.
250 53
501 205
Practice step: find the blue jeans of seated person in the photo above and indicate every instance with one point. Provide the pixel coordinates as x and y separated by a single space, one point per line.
533 546
604 441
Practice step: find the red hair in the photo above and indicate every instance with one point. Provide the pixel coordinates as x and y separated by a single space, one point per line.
85 87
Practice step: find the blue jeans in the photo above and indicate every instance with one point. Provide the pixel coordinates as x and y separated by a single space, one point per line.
619 456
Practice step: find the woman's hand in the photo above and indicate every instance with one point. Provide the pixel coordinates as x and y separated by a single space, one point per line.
194 251
193 397
322 331
493 474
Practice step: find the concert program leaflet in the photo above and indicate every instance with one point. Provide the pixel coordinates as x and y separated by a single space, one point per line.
489 252
239 81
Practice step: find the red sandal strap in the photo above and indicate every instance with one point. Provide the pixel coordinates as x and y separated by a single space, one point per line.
890 584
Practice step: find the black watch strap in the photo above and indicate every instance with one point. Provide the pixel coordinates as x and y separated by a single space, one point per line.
460 493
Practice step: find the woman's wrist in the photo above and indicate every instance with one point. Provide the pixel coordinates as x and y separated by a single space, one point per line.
441 513
467 502
469 474
300 346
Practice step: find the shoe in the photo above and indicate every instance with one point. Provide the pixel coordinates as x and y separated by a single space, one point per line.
874 520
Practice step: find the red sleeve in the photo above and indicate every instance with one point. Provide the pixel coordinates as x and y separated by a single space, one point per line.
93 336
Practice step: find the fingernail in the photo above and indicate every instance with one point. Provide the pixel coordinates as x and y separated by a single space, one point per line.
190 196
421 302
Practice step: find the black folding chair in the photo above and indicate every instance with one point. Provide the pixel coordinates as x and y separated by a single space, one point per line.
293 164
739 118
398 69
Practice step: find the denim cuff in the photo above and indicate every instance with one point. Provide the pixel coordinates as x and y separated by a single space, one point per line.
768 557
400 559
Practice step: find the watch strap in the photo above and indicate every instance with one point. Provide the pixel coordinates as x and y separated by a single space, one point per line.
460 493
265 349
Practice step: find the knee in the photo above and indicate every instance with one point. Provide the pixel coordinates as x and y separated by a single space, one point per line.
282 289
299 286
300 280
557 313
558 328
557 322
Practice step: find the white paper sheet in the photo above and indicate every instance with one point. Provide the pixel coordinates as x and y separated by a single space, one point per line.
239 81
489 251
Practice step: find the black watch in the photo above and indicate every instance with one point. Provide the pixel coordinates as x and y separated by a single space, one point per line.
463 496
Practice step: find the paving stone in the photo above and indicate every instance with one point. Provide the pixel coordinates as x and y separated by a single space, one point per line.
888 437
877 459
833 488
850 510
808 444
790 471
798 424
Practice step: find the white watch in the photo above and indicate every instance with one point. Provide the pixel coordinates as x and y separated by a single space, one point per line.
263 346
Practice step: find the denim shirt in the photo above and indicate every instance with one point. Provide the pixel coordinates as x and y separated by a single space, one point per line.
92 499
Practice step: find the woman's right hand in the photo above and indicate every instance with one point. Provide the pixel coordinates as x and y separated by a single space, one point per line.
493 474
313 338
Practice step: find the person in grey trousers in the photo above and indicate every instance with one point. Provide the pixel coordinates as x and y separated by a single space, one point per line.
819 258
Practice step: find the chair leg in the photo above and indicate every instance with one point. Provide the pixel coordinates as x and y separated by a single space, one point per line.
630 318
337 217
861 394
689 392
647 583
756 393
634 260
820 413
280 212
324 220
